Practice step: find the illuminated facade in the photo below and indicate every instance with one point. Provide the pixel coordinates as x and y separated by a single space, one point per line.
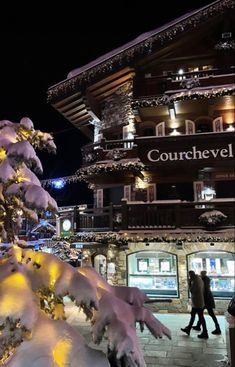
160 115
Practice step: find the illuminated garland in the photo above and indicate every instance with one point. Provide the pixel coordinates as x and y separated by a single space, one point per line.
183 96
143 48
123 240
97 169
83 173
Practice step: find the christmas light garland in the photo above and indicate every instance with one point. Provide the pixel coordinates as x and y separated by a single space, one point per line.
124 239
183 96
83 174
134 166
143 48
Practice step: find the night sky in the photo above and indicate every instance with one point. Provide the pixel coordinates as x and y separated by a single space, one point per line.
33 61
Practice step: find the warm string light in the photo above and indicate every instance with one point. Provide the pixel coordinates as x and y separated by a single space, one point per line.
144 47
185 95
122 240
134 166
83 173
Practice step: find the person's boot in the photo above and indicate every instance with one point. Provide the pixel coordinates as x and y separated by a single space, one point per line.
217 331
203 335
186 330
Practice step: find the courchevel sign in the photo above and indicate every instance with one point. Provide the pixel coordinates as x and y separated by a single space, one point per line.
155 155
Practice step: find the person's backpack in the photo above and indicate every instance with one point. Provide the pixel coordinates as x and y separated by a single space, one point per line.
231 307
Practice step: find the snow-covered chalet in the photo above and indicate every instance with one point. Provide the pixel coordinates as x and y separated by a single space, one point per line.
159 113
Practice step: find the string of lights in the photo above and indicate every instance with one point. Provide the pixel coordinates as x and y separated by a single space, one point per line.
59 182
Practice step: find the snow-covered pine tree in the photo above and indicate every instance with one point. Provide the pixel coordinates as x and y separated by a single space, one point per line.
33 330
21 194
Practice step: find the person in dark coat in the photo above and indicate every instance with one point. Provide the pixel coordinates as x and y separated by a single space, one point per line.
196 287
209 304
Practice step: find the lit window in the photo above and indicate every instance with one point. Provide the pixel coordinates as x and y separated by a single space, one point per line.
154 272
220 268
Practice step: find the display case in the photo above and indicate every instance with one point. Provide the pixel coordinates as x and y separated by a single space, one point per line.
220 267
154 272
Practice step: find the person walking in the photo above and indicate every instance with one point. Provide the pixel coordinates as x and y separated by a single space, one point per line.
209 304
196 287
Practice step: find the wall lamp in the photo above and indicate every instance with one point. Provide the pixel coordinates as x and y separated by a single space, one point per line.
172 113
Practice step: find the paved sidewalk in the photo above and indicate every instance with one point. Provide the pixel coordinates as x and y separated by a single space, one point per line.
182 350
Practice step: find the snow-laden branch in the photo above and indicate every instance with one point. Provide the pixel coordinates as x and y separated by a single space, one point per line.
28 337
119 310
46 271
21 190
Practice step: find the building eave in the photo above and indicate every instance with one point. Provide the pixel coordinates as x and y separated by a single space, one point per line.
140 47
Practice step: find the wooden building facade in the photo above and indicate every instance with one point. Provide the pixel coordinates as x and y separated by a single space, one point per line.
161 118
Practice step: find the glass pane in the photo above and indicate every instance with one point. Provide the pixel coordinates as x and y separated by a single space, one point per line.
220 267
154 272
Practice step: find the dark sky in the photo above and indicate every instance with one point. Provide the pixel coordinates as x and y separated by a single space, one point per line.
33 61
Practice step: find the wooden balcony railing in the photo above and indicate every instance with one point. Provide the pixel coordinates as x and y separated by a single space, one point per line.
107 149
158 84
155 215
96 219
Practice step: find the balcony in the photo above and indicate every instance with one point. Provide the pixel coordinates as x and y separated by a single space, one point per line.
108 150
159 84
115 150
158 215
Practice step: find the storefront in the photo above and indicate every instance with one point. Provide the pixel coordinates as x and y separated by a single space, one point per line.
160 270
220 267
154 272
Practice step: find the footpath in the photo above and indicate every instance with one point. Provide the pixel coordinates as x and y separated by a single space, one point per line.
182 350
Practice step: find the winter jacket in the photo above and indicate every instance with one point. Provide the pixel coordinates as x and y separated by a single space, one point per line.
208 296
196 287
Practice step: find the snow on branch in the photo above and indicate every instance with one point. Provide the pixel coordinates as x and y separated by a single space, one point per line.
21 192
30 338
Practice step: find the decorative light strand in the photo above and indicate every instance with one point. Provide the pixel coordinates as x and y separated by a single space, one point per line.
143 48
124 239
183 96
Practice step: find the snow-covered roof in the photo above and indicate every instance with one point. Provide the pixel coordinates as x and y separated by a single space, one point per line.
140 39
147 37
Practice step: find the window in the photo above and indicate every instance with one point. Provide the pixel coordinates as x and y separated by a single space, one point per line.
175 191
148 131
220 267
154 272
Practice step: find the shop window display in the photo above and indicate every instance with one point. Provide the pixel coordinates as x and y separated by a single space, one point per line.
154 272
220 267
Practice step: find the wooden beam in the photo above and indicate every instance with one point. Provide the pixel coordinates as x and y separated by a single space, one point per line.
76 109
71 105
65 100
110 78
116 83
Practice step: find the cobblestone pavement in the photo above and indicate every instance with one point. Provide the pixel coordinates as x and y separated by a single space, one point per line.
182 350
